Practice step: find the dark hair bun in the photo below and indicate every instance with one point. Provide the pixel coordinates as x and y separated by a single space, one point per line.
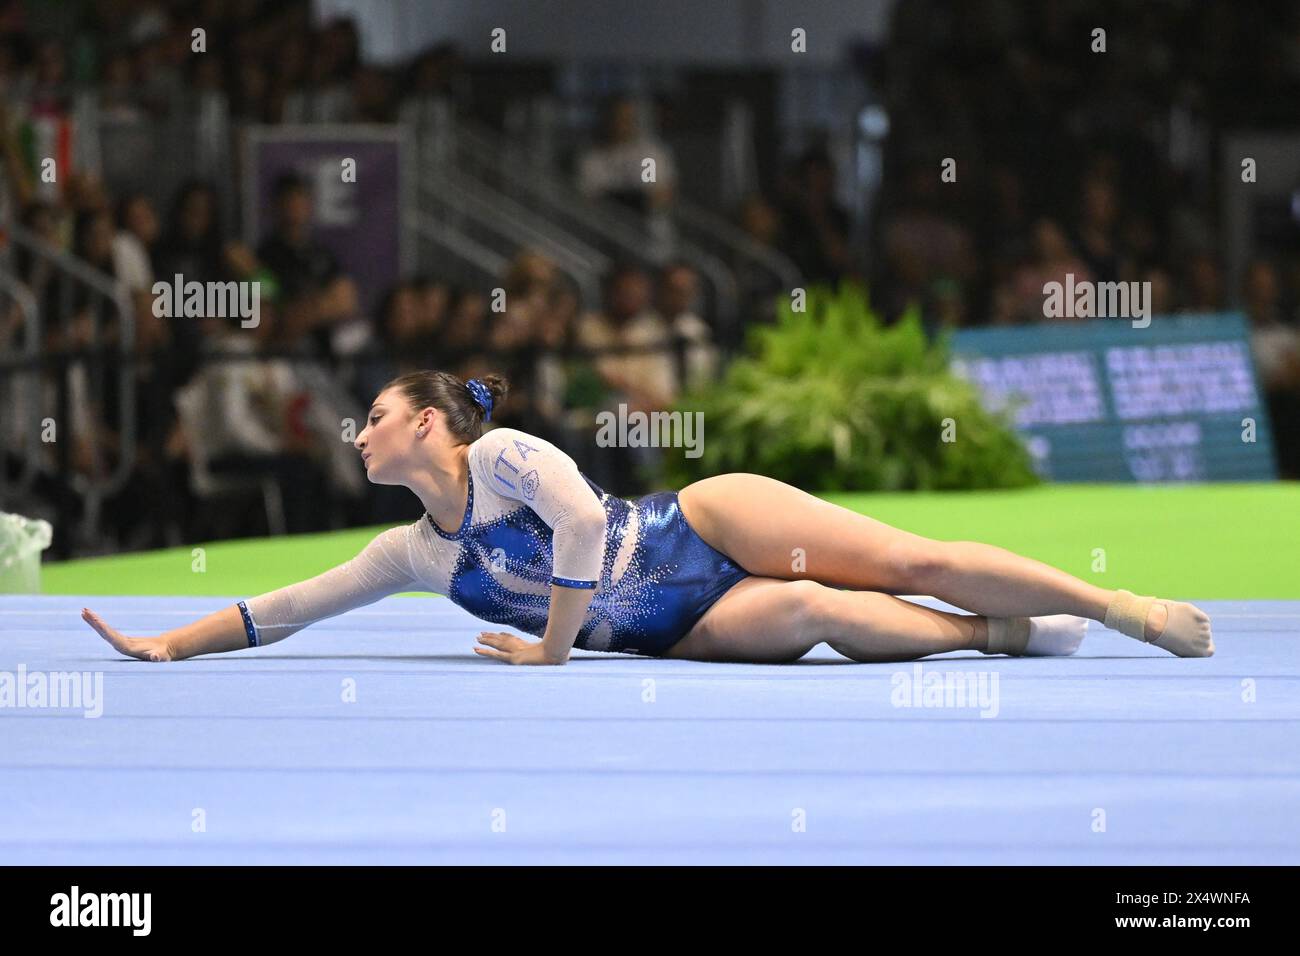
498 386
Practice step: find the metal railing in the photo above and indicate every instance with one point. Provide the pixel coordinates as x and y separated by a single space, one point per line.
498 215
97 486
514 169
713 245
452 254
712 227
26 393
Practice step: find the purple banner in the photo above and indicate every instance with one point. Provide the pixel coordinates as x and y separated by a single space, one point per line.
359 222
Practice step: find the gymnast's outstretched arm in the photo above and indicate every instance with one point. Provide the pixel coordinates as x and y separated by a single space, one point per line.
383 567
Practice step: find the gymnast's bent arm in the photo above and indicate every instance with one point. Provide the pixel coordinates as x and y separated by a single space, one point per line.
383 567
531 470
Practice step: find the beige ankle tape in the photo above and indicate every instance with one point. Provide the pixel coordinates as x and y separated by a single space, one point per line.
1008 635
1128 614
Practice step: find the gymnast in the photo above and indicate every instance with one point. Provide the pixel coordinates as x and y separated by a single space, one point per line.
514 533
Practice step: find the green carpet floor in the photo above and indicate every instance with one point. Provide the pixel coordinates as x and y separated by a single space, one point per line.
1208 541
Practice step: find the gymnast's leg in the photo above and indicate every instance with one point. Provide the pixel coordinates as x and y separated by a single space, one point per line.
760 522
766 620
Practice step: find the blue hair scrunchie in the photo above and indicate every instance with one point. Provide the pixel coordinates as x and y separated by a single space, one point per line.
483 395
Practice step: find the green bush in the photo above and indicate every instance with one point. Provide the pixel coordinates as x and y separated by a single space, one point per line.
831 400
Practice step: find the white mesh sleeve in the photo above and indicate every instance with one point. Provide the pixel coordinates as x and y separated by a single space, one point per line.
383 567
532 470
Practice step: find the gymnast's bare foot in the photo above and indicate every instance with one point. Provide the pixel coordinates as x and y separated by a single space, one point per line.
1156 621
1189 633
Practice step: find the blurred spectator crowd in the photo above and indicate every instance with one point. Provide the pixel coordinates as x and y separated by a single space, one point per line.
1100 165
218 401
1061 168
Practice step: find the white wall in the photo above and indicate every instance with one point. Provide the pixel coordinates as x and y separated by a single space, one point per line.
722 32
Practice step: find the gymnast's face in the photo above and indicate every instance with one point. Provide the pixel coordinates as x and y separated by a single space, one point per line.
389 440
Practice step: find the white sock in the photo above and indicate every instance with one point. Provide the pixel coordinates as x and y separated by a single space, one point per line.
1055 635
1050 635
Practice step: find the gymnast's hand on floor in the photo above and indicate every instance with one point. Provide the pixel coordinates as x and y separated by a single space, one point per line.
513 650
142 648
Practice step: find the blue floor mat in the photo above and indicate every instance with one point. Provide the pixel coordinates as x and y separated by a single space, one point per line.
379 737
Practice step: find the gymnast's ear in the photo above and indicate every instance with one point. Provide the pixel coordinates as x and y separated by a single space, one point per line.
431 419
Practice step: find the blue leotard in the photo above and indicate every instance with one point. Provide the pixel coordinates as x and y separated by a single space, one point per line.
532 522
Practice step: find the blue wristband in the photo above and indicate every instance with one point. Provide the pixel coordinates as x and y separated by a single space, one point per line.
249 629
573 583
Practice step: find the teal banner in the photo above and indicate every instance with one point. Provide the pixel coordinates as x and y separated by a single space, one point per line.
1100 400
